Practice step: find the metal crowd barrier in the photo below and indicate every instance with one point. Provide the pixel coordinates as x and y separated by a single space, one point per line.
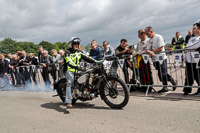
176 64
143 71
35 74
144 74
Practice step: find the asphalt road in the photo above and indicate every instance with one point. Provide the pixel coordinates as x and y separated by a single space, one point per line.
39 112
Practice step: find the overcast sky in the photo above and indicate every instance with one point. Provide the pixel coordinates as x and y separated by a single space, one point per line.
111 20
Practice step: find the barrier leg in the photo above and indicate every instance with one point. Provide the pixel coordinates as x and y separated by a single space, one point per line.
147 91
129 87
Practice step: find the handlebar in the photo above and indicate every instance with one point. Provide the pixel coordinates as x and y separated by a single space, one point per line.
111 58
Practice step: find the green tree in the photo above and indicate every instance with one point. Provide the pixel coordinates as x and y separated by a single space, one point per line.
87 48
61 45
29 47
47 46
8 46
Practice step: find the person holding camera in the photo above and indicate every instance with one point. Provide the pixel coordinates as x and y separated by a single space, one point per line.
123 51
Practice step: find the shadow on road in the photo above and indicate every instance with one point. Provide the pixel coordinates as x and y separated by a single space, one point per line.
87 105
60 107
167 96
176 97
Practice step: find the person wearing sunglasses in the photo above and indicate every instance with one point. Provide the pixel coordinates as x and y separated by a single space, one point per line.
108 50
145 74
95 51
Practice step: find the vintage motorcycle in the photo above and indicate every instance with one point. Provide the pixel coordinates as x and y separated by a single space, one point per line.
97 81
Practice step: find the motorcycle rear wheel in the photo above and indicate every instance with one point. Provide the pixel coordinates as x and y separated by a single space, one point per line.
115 92
61 91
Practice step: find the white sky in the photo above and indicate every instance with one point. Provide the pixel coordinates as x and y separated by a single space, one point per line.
111 20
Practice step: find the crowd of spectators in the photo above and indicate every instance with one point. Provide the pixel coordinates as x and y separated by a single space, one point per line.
149 42
21 67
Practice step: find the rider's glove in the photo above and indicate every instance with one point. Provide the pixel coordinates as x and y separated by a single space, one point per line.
99 61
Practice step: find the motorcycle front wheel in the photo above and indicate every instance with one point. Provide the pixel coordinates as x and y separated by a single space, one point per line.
114 92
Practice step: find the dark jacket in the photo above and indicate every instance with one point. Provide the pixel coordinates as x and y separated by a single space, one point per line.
179 42
49 64
33 61
39 56
4 66
46 60
25 62
14 63
187 38
119 52
95 54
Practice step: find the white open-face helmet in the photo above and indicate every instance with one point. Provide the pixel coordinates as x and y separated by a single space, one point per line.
75 40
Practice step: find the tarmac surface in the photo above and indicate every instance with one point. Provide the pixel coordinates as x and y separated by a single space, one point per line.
24 111
39 112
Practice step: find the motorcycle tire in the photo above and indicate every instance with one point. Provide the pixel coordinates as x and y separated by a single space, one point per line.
61 88
110 97
61 91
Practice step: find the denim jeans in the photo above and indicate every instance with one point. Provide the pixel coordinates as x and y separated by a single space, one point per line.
162 72
4 81
70 82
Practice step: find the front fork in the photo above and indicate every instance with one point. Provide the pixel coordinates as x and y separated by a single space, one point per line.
109 85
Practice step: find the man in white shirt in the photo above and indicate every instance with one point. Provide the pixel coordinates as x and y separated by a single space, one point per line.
145 74
192 73
156 45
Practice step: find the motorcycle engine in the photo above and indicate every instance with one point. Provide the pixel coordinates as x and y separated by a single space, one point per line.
82 79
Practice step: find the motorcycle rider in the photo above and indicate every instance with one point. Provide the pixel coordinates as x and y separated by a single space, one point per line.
72 65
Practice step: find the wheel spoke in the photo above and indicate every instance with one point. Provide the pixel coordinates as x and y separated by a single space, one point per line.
114 92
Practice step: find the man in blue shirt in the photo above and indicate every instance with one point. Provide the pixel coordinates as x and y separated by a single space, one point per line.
95 51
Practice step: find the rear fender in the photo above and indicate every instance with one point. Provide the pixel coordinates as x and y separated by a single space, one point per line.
56 84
